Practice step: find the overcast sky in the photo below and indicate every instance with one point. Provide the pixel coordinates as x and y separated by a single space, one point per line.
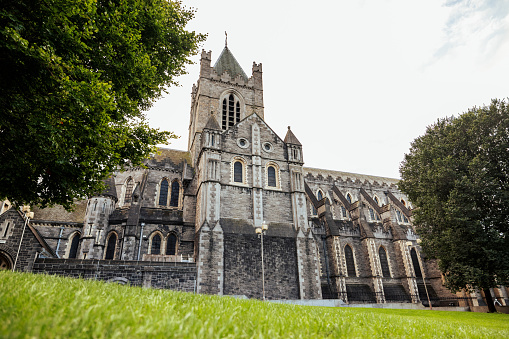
357 81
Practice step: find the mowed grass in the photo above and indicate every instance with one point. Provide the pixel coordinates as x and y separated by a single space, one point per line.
40 306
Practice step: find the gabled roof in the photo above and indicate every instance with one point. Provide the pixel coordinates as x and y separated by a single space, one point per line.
291 138
212 123
227 62
110 188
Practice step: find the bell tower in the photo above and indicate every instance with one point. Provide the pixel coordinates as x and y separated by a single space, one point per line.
225 92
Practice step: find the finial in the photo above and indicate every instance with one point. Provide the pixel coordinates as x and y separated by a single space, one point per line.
226 39
288 127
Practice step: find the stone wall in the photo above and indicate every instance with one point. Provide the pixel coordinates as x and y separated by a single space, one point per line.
174 276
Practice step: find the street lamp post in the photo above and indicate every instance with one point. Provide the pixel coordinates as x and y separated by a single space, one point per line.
261 231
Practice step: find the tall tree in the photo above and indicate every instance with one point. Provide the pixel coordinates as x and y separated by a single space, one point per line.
457 175
75 79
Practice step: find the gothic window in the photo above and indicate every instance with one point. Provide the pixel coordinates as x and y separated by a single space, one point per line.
403 202
343 211
175 193
271 176
237 172
376 200
386 272
111 245
372 214
231 111
155 244
350 263
405 219
398 213
163 193
319 195
128 190
415 262
349 198
171 244
73 252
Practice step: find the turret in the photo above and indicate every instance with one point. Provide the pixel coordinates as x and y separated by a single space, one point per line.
95 226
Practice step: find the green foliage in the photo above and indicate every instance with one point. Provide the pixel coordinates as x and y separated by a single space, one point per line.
42 306
75 79
457 175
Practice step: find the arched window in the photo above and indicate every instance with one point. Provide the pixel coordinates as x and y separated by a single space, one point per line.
175 193
155 246
350 263
319 195
231 111
163 193
386 272
111 245
128 190
376 200
415 262
238 172
349 198
398 213
271 176
171 244
403 202
73 251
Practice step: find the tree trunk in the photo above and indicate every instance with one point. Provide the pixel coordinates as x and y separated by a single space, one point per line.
489 300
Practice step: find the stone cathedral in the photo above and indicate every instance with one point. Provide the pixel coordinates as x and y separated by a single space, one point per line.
187 221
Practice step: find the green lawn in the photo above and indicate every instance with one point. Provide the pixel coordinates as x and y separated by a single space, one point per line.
39 306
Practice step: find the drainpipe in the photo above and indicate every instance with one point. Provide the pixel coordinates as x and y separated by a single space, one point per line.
141 237
59 238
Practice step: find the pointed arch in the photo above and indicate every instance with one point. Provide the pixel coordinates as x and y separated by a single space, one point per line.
384 262
377 200
74 241
155 243
232 106
111 246
349 197
175 193
350 261
163 192
171 244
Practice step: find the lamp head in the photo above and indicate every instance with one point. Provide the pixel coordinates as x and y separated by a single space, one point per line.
258 230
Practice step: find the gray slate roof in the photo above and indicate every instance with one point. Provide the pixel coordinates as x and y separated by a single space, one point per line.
228 63
291 138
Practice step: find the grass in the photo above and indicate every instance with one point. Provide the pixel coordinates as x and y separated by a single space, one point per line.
40 306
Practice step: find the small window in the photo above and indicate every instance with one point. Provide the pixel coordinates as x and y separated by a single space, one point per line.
111 246
343 211
376 200
349 198
405 219
237 172
372 214
171 246
163 193
271 176
350 263
175 193
155 247
403 202
398 213
73 252
386 272
319 195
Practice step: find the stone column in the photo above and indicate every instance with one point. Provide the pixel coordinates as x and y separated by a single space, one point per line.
339 256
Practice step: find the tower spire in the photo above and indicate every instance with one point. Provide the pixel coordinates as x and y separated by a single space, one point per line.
225 39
